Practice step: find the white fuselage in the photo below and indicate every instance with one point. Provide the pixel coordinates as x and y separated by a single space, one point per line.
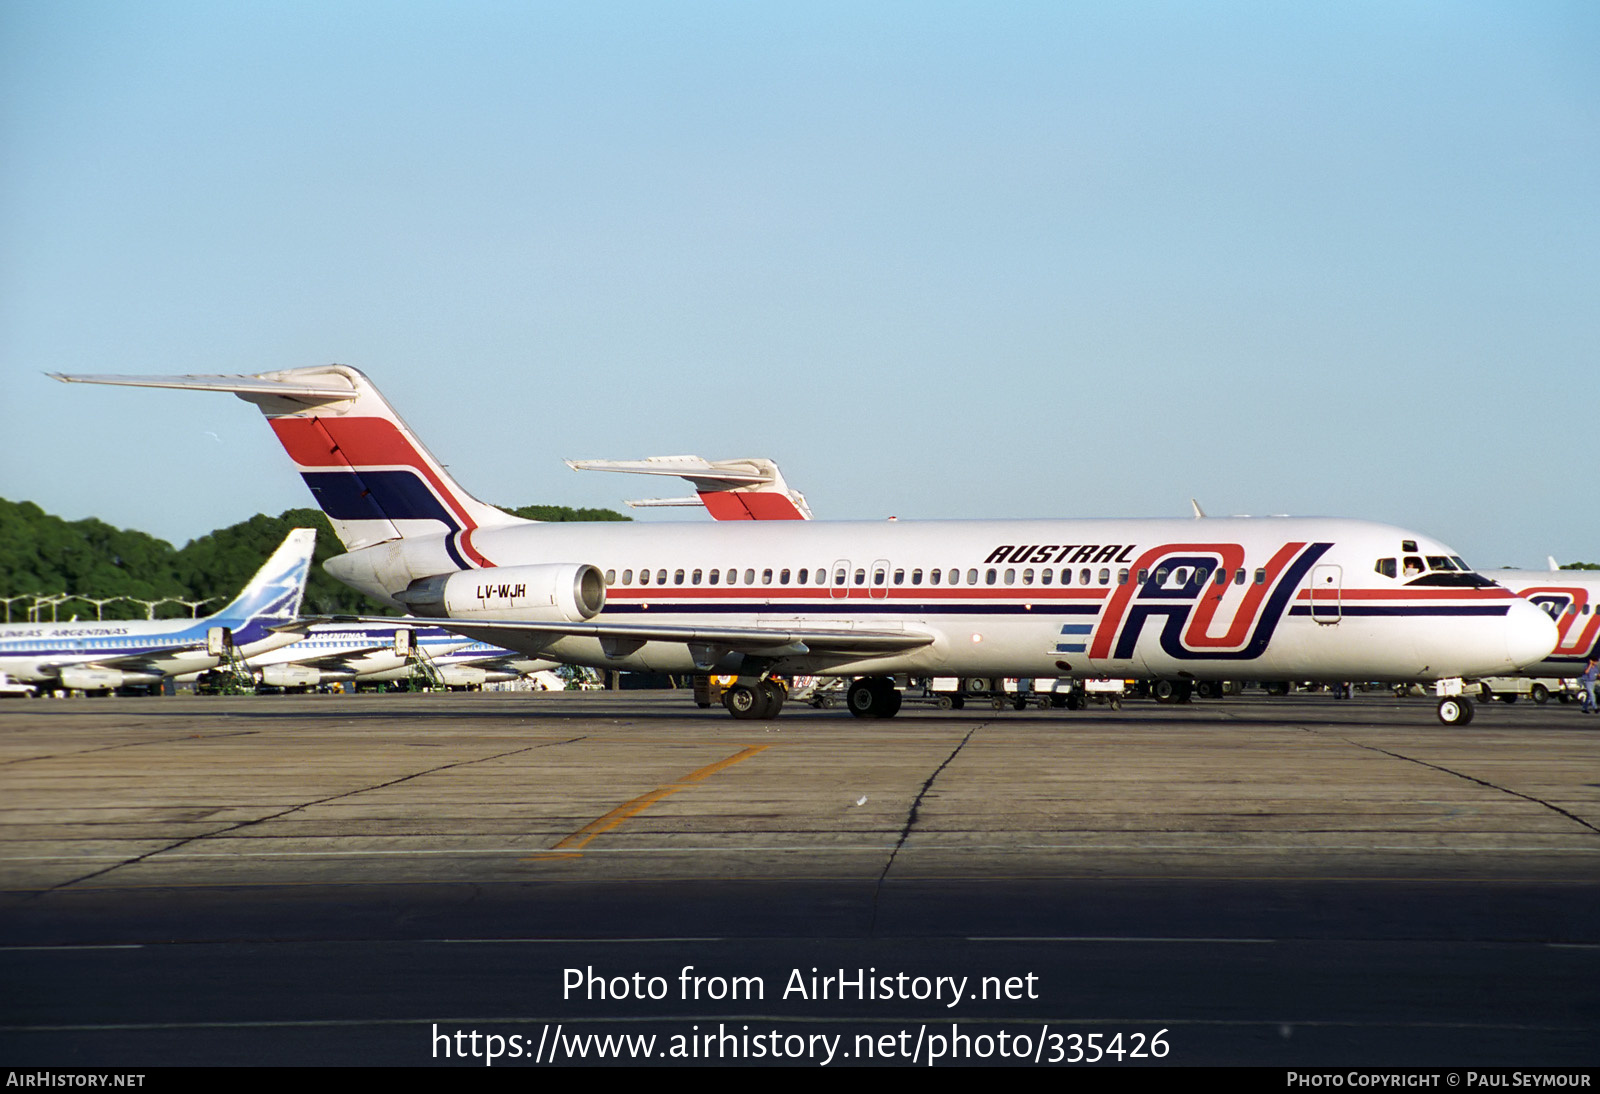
1298 598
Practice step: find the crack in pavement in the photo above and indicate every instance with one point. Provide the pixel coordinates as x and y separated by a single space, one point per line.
911 821
129 744
1481 782
294 809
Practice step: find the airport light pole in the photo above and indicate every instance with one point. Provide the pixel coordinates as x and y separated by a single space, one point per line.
99 604
9 599
150 606
194 604
42 599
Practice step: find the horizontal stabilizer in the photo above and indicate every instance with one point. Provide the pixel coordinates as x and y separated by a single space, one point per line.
744 489
324 389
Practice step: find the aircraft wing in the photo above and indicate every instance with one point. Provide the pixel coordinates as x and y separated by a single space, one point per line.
761 641
158 662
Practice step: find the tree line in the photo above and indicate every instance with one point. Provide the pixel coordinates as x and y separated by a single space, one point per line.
43 554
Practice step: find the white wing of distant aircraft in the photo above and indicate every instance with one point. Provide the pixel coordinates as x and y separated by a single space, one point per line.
747 489
1184 600
350 651
112 654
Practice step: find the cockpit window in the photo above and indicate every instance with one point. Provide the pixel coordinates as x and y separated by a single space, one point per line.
1438 570
1386 567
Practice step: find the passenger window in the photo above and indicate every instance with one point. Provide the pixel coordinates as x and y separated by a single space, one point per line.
1122 576
1200 575
644 577
694 578
1161 576
972 576
1105 576
1044 577
677 578
715 574
611 577
627 577
933 577
1027 577
661 577
861 577
1144 576
899 577
804 573
916 577
1084 576
954 578
766 577
838 577
878 577
783 577
1261 576
1238 577
822 575
1011 577
1222 576
989 576
749 577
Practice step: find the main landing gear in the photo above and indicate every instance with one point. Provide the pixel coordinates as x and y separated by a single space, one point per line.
873 697
755 701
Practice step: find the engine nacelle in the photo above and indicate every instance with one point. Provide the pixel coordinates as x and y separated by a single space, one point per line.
290 676
97 679
568 592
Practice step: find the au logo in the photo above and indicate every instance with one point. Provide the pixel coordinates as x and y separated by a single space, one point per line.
1189 587
1576 627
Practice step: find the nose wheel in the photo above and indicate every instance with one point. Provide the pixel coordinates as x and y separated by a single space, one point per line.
1455 710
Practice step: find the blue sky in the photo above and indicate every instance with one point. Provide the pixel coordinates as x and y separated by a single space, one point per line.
937 260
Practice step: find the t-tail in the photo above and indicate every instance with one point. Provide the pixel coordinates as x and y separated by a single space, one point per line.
367 470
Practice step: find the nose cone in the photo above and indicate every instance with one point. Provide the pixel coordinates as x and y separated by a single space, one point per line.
1530 634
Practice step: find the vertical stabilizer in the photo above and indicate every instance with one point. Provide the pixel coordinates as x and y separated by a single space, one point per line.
274 594
367 470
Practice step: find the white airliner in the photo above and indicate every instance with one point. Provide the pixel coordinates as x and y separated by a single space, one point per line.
1184 600
102 656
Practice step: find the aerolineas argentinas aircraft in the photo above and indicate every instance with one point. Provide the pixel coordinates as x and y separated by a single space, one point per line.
103 656
1274 598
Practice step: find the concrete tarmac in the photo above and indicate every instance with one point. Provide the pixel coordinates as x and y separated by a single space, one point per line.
349 879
